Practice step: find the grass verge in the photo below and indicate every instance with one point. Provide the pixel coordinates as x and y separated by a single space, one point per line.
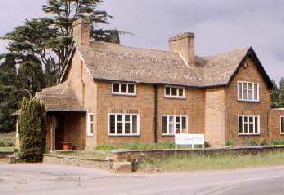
195 162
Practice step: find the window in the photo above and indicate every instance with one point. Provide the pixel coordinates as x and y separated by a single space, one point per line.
282 124
174 92
248 91
90 124
249 125
123 124
172 124
124 88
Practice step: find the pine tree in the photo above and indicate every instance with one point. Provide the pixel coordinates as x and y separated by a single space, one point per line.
32 132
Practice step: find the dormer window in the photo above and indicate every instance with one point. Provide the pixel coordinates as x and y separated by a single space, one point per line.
174 92
124 88
248 91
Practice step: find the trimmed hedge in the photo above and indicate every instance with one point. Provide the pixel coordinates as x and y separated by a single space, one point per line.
32 131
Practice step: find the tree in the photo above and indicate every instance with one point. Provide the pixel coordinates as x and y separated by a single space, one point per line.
281 92
274 95
32 132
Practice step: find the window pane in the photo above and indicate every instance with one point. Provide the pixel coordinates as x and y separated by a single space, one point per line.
127 117
249 91
112 123
178 128
119 118
181 92
174 91
256 91
91 128
250 119
164 124
177 119
127 128
245 119
183 125
240 91
240 124
119 128
91 118
123 88
245 91
115 87
256 125
282 124
251 128
245 128
134 124
130 88
171 129
168 91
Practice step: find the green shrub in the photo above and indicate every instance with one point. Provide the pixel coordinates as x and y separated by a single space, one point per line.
32 130
264 143
229 143
251 142
2 143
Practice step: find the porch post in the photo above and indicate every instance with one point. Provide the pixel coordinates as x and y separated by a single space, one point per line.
52 123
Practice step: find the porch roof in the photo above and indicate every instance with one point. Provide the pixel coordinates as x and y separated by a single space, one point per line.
60 98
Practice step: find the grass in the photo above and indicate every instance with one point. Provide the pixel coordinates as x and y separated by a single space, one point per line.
7 141
195 162
136 146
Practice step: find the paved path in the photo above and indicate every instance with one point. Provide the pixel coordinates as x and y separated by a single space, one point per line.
53 179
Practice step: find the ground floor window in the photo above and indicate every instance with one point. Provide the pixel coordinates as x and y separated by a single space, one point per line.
172 124
124 124
90 124
249 124
282 124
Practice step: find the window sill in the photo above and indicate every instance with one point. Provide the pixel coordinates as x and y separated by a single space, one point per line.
250 101
253 134
90 135
176 98
124 94
168 135
124 135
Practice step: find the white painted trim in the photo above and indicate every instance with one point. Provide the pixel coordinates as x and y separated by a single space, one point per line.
177 88
88 123
186 63
253 91
122 93
123 125
174 124
82 59
258 124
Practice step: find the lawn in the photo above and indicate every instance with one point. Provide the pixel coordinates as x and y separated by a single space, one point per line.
195 162
7 141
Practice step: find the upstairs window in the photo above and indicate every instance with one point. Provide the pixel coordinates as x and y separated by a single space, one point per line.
173 124
124 88
90 124
249 125
248 91
282 124
174 92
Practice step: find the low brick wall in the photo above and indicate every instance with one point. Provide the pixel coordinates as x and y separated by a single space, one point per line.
137 156
4 154
73 161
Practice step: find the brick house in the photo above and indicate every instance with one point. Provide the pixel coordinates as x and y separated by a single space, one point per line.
111 93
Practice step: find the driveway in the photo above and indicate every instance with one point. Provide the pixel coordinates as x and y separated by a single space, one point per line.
54 179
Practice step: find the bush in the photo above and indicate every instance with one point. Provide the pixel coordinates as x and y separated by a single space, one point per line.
229 143
251 142
32 130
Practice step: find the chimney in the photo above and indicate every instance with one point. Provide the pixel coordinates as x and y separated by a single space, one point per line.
81 32
184 45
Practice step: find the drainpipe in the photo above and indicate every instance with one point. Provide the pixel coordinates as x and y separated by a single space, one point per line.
155 113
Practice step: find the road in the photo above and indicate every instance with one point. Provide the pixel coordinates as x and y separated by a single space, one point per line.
54 179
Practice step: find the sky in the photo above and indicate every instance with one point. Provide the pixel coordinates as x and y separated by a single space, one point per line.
218 25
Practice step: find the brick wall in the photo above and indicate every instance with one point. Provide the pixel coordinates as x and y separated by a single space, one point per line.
235 107
215 116
274 124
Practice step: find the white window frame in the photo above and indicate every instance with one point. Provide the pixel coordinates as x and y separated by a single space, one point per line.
255 97
281 127
124 93
123 124
89 123
177 94
174 124
255 132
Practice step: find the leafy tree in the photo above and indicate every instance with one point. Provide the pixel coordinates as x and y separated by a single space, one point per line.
281 92
32 130
274 95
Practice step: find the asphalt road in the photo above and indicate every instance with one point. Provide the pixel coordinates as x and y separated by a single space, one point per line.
52 179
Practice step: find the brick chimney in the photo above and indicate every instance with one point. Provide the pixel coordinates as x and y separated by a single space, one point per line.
81 32
184 45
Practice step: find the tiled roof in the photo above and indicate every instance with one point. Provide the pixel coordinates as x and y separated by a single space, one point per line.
108 61
60 98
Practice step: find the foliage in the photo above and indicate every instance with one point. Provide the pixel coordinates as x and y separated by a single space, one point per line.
229 143
251 142
32 130
277 94
136 146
